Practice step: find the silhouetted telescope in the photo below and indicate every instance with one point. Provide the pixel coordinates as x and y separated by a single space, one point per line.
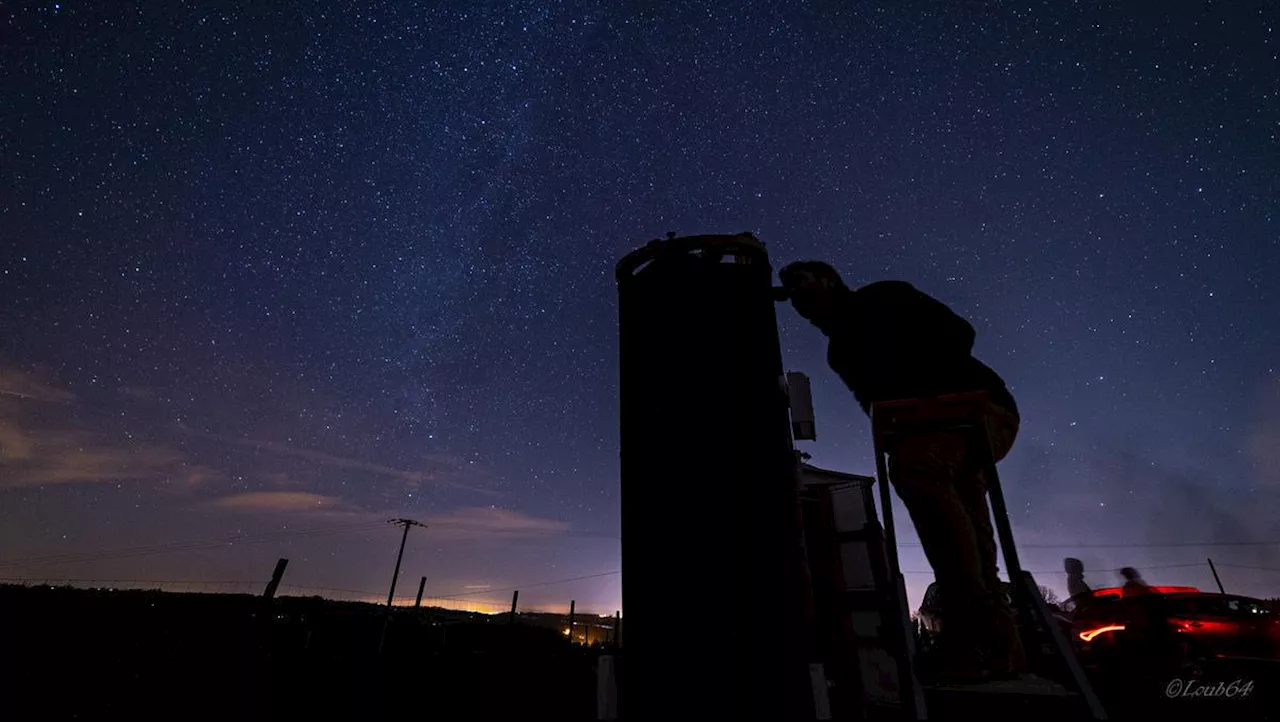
713 575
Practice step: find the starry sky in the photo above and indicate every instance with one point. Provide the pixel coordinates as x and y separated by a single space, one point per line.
272 273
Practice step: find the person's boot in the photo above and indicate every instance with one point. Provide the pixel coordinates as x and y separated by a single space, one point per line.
987 648
1006 656
968 654
964 664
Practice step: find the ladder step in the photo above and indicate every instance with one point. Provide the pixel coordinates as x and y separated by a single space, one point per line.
952 703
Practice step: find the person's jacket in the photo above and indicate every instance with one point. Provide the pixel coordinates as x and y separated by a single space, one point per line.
891 341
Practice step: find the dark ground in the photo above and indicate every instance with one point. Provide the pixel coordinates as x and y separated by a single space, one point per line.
1217 691
77 654
90 654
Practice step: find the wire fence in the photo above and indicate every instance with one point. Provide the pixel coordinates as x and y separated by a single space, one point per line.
1189 565
471 601
166 585
462 601
482 600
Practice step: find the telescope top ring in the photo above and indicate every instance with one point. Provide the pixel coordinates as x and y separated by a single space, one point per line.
736 244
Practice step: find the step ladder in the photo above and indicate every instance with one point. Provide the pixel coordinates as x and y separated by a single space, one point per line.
1043 638
858 625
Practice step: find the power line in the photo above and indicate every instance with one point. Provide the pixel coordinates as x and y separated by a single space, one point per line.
294 588
46 580
180 547
368 526
528 586
43 581
371 594
226 540
499 531
304 588
1169 545
1245 566
172 547
1059 571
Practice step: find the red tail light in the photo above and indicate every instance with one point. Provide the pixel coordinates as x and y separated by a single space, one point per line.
1088 635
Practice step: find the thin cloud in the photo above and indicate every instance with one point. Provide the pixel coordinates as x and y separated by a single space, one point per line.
281 480
22 385
195 476
413 478
280 501
35 454
15 444
58 456
488 522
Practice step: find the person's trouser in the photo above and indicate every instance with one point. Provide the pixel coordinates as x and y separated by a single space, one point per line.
941 481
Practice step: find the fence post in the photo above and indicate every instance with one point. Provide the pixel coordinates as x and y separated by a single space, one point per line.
270 592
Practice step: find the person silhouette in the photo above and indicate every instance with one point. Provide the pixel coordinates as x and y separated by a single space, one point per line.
889 341
1133 584
1076 586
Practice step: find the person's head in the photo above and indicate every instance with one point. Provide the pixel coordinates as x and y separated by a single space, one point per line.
1130 574
1074 567
814 289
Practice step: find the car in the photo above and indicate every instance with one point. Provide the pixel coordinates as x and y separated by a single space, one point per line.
1199 626
929 614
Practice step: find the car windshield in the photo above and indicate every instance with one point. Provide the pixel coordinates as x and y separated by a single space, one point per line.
1219 606
930 598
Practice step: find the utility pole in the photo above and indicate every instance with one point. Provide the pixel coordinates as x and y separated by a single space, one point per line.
572 604
406 523
515 596
421 584
391 595
1215 577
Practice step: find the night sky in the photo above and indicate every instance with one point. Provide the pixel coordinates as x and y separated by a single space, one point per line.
268 270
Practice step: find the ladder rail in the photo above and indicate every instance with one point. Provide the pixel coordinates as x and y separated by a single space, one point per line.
1062 645
886 505
1031 598
913 698
1029 603
1004 530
